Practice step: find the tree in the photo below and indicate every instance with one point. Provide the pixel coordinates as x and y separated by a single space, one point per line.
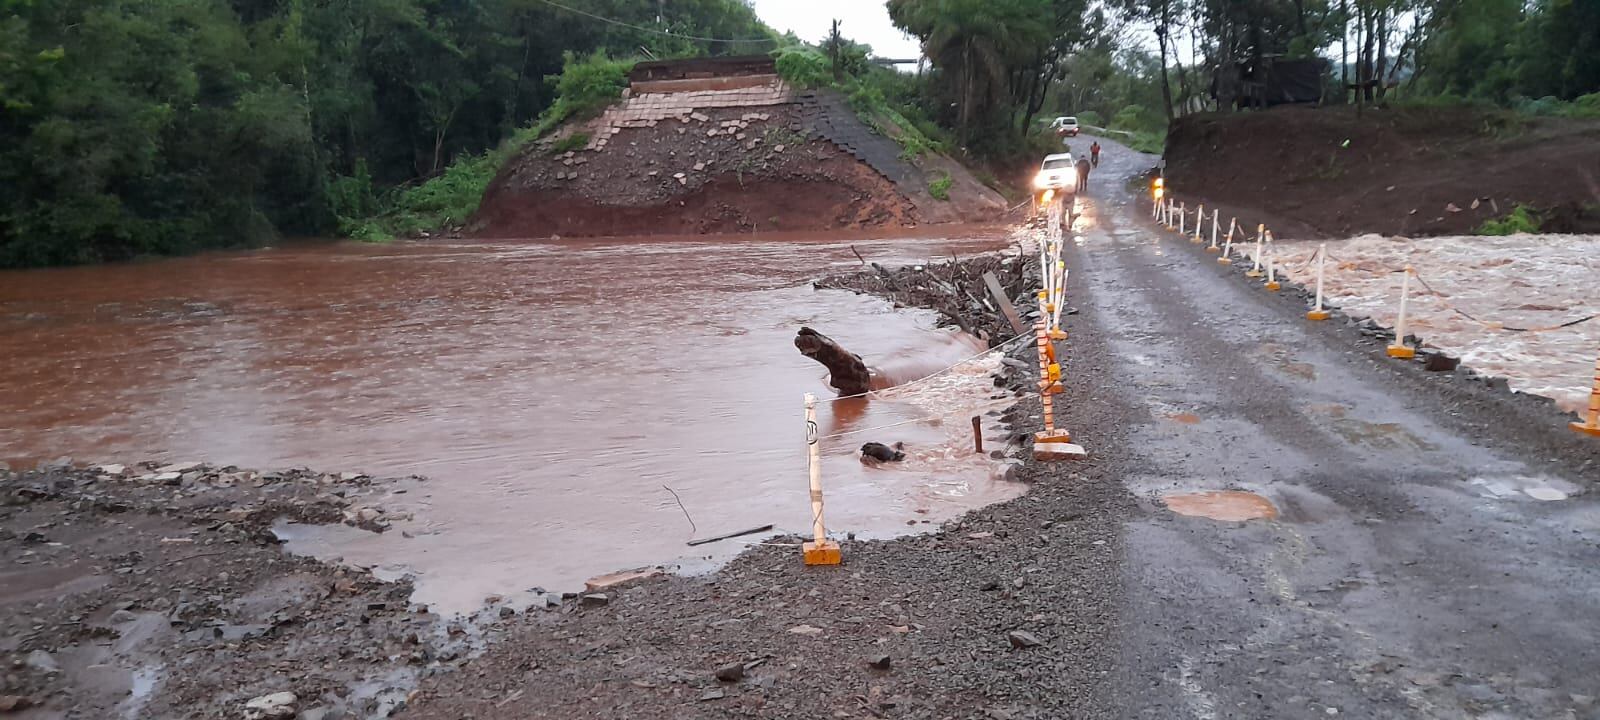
133 127
980 43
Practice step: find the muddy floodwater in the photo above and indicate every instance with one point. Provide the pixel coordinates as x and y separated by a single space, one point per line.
1470 297
550 391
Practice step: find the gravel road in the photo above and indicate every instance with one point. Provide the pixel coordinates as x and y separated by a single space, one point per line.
1412 570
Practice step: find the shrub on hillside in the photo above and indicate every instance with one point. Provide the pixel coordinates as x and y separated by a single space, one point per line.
803 67
1522 219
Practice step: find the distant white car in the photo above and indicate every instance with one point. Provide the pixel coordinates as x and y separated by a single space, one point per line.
1066 126
1057 172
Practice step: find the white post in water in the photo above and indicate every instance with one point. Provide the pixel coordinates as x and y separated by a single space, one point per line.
1261 237
1399 349
820 551
1215 220
1317 313
1227 247
1272 265
1183 215
1199 222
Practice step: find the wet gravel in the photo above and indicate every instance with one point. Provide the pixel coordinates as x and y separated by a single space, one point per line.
162 593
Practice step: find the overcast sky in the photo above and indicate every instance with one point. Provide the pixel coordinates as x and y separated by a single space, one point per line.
864 21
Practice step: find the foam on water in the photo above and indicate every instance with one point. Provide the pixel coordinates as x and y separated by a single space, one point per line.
1526 281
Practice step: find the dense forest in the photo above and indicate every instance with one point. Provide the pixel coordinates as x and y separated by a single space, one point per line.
134 127
1005 60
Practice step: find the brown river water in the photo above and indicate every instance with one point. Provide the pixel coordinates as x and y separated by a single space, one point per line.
547 390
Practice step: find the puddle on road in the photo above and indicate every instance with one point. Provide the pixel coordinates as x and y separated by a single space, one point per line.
1520 487
1225 505
1184 417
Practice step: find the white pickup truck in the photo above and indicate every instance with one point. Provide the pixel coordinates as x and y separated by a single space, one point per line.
1058 172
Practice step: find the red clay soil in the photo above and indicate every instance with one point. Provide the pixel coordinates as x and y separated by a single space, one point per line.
811 187
1414 171
767 177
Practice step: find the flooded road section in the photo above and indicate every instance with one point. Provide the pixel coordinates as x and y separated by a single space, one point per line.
550 391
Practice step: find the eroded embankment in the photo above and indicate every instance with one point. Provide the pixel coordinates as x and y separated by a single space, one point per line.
1328 172
759 159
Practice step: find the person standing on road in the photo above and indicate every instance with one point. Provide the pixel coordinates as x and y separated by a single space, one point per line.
1094 154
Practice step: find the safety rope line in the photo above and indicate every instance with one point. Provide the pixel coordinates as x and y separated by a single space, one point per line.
1487 324
1496 325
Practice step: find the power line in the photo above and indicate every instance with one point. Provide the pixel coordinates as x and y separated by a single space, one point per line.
667 33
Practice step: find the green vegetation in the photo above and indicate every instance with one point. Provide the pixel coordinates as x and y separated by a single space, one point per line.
803 67
584 88
939 187
575 141
882 98
1583 107
134 127
1522 219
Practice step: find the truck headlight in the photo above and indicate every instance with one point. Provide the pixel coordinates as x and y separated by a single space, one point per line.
1041 181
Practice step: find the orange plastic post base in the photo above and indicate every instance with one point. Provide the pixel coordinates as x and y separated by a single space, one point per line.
1274 286
1401 351
1318 314
827 553
1058 335
1214 250
1253 273
1196 240
1585 428
1224 261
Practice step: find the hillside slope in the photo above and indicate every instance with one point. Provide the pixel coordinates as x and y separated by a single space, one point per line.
747 159
1417 171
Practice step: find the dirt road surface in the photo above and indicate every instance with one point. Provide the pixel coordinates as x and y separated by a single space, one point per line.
1410 572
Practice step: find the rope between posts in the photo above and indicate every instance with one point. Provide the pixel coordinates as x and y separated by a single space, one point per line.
1495 325
1487 324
